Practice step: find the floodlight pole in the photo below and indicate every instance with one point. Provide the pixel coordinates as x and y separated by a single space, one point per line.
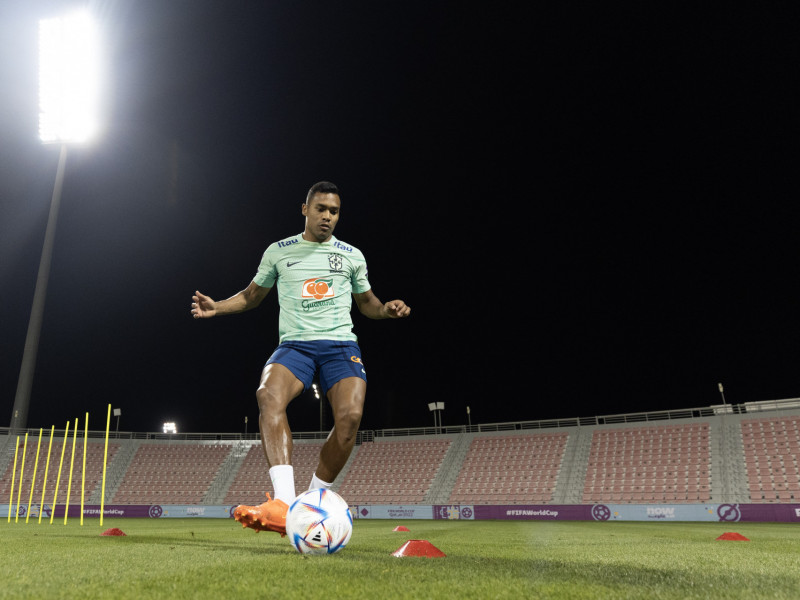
436 407
19 414
60 120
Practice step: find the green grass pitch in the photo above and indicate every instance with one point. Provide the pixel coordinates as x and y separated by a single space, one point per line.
216 558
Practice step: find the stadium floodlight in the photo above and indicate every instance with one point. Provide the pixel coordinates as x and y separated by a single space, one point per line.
436 407
69 76
69 95
321 406
170 428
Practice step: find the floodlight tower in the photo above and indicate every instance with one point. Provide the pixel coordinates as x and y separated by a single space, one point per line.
722 392
436 408
68 114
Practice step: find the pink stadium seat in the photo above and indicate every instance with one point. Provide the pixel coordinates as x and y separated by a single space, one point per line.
660 460
663 462
771 453
405 469
252 479
95 452
179 473
525 466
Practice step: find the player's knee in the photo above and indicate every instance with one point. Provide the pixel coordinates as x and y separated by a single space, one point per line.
269 402
347 424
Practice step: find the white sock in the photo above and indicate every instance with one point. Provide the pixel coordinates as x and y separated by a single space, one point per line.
282 477
317 483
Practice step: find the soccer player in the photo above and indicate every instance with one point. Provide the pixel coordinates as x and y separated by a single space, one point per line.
315 274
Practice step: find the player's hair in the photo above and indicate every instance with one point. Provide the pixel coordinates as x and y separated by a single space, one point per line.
322 187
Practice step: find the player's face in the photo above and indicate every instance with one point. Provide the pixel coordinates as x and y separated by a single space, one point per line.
322 214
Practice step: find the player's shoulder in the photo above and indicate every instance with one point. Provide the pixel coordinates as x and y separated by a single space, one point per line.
285 243
347 249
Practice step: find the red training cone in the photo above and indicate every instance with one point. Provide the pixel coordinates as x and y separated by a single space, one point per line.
733 536
113 531
400 528
418 548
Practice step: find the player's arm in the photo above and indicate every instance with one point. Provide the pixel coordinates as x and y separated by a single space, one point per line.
369 306
204 307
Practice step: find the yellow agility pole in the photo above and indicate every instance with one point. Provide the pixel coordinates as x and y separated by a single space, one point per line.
105 461
33 481
83 476
46 471
21 477
71 466
58 479
13 479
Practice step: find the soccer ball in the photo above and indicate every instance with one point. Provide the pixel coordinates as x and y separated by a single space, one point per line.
319 522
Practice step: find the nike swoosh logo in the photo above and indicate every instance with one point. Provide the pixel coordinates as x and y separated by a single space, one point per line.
290 264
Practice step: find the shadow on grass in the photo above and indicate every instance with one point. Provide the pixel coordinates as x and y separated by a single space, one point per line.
271 546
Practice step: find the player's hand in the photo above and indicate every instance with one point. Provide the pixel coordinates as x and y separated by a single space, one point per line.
203 307
396 309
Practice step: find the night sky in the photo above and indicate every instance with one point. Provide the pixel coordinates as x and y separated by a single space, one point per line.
590 209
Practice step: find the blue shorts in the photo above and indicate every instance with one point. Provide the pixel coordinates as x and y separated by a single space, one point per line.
335 360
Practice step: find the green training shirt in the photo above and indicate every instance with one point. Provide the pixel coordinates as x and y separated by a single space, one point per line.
315 282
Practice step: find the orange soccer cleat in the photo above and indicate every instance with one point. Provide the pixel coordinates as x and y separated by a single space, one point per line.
270 516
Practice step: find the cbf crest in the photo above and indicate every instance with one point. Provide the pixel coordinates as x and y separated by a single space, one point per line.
335 262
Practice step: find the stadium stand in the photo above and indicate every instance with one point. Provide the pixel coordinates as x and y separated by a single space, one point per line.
93 473
394 472
723 454
252 479
171 473
649 464
510 469
771 448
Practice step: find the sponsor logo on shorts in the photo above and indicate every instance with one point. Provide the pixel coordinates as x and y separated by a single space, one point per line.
356 359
